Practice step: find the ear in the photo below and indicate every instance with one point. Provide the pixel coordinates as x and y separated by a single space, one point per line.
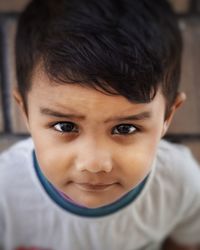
20 102
180 99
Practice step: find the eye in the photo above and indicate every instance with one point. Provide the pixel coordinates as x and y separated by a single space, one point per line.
66 127
124 129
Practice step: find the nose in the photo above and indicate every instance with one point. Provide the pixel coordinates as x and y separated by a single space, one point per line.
94 167
94 161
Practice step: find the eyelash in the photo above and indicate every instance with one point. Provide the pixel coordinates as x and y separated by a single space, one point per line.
68 124
74 128
126 126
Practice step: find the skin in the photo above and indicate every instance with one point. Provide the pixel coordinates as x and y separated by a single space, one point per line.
82 145
94 163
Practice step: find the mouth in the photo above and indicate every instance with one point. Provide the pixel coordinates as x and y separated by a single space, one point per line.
94 187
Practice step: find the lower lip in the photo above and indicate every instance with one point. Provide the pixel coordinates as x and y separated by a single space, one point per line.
94 188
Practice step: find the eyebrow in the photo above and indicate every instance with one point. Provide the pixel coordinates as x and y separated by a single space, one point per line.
137 117
54 113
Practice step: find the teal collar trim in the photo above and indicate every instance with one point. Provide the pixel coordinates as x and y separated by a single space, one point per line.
83 211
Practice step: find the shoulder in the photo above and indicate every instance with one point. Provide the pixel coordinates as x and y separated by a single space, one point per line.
175 177
177 161
181 181
172 189
178 173
16 152
14 160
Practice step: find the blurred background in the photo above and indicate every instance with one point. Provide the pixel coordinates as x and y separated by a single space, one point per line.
186 126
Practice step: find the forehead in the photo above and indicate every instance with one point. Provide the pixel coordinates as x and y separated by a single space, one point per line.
45 92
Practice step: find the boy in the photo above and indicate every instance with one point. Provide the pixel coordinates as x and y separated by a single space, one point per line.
98 87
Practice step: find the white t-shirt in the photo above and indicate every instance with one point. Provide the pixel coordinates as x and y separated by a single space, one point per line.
168 205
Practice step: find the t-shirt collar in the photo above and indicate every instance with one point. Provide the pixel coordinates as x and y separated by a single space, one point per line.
71 207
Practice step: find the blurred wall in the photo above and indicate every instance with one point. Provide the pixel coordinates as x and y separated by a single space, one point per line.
186 126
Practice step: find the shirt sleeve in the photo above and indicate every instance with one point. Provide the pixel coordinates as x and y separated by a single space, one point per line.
187 229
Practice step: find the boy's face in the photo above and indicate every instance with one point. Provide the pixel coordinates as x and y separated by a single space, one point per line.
91 146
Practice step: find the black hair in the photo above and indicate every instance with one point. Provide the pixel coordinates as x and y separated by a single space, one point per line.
121 47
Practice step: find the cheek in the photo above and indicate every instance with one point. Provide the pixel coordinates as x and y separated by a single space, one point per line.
54 160
137 161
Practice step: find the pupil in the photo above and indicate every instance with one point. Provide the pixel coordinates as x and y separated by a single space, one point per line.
124 129
67 127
